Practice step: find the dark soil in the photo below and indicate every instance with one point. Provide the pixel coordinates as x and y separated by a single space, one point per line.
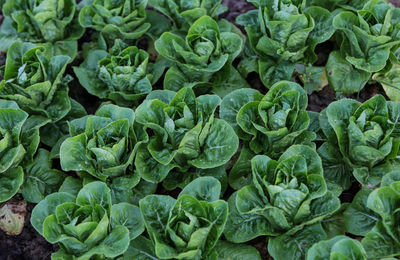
236 7
30 245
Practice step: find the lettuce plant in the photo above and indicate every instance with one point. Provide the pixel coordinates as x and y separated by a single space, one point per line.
87 225
102 147
282 34
119 74
384 238
339 247
18 143
267 124
369 40
286 200
203 58
34 79
188 227
184 13
362 140
183 134
48 22
123 19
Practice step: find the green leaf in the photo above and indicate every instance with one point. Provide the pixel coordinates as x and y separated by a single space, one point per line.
229 251
358 218
203 188
10 183
343 76
94 193
239 175
295 246
140 248
218 146
129 216
390 82
245 227
40 179
339 247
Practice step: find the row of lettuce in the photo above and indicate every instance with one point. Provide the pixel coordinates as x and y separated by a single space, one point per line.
286 190
204 132
362 38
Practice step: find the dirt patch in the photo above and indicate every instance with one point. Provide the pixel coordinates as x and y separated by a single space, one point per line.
236 7
29 245
395 2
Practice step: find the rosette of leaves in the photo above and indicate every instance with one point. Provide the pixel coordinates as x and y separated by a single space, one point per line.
87 225
188 227
19 141
362 140
119 75
267 124
369 41
123 19
339 247
34 79
286 200
184 138
283 34
203 58
184 13
48 22
383 240
102 147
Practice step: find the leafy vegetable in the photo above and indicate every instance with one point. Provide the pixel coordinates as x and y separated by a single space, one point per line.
34 79
182 135
383 240
362 140
119 75
189 227
283 33
269 124
368 41
103 146
88 224
19 141
49 22
285 198
124 19
203 58
185 13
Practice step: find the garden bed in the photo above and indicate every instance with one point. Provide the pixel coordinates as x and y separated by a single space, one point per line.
30 245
